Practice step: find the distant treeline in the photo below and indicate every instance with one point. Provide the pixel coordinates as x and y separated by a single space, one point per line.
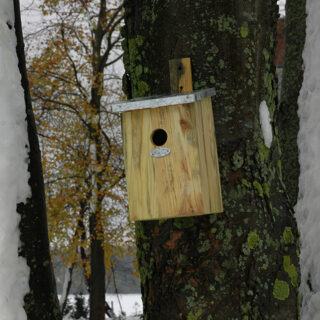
124 279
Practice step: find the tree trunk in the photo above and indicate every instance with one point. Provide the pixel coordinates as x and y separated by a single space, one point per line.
243 263
42 301
288 121
67 283
97 285
97 272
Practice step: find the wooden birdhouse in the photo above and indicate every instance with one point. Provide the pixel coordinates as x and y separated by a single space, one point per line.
170 155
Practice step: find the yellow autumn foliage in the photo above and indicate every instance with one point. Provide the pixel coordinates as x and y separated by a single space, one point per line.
80 137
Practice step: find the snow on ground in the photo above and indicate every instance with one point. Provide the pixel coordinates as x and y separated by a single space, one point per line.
14 273
308 206
131 305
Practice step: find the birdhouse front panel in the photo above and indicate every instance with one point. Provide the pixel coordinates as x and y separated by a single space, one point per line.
171 161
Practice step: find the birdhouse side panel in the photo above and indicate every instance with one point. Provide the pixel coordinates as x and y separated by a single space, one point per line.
209 164
133 127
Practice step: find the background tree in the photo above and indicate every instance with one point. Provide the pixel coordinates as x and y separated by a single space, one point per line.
41 302
242 263
71 84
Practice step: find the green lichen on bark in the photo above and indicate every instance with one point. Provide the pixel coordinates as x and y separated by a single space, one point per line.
253 240
244 30
291 270
288 236
281 290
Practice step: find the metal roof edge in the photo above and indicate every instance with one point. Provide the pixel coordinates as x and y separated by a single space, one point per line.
161 101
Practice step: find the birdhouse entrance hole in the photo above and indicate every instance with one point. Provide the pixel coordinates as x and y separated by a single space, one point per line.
159 137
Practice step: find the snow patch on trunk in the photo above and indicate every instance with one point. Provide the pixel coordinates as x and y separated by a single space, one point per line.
308 206
281 4
265 124
14 188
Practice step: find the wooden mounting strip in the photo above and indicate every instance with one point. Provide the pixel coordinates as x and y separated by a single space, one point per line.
180 75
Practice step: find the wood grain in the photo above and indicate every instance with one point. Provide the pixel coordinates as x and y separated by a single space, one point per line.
180 75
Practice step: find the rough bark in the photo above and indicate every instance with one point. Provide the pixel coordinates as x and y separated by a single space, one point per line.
287 120
42 301
243 263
